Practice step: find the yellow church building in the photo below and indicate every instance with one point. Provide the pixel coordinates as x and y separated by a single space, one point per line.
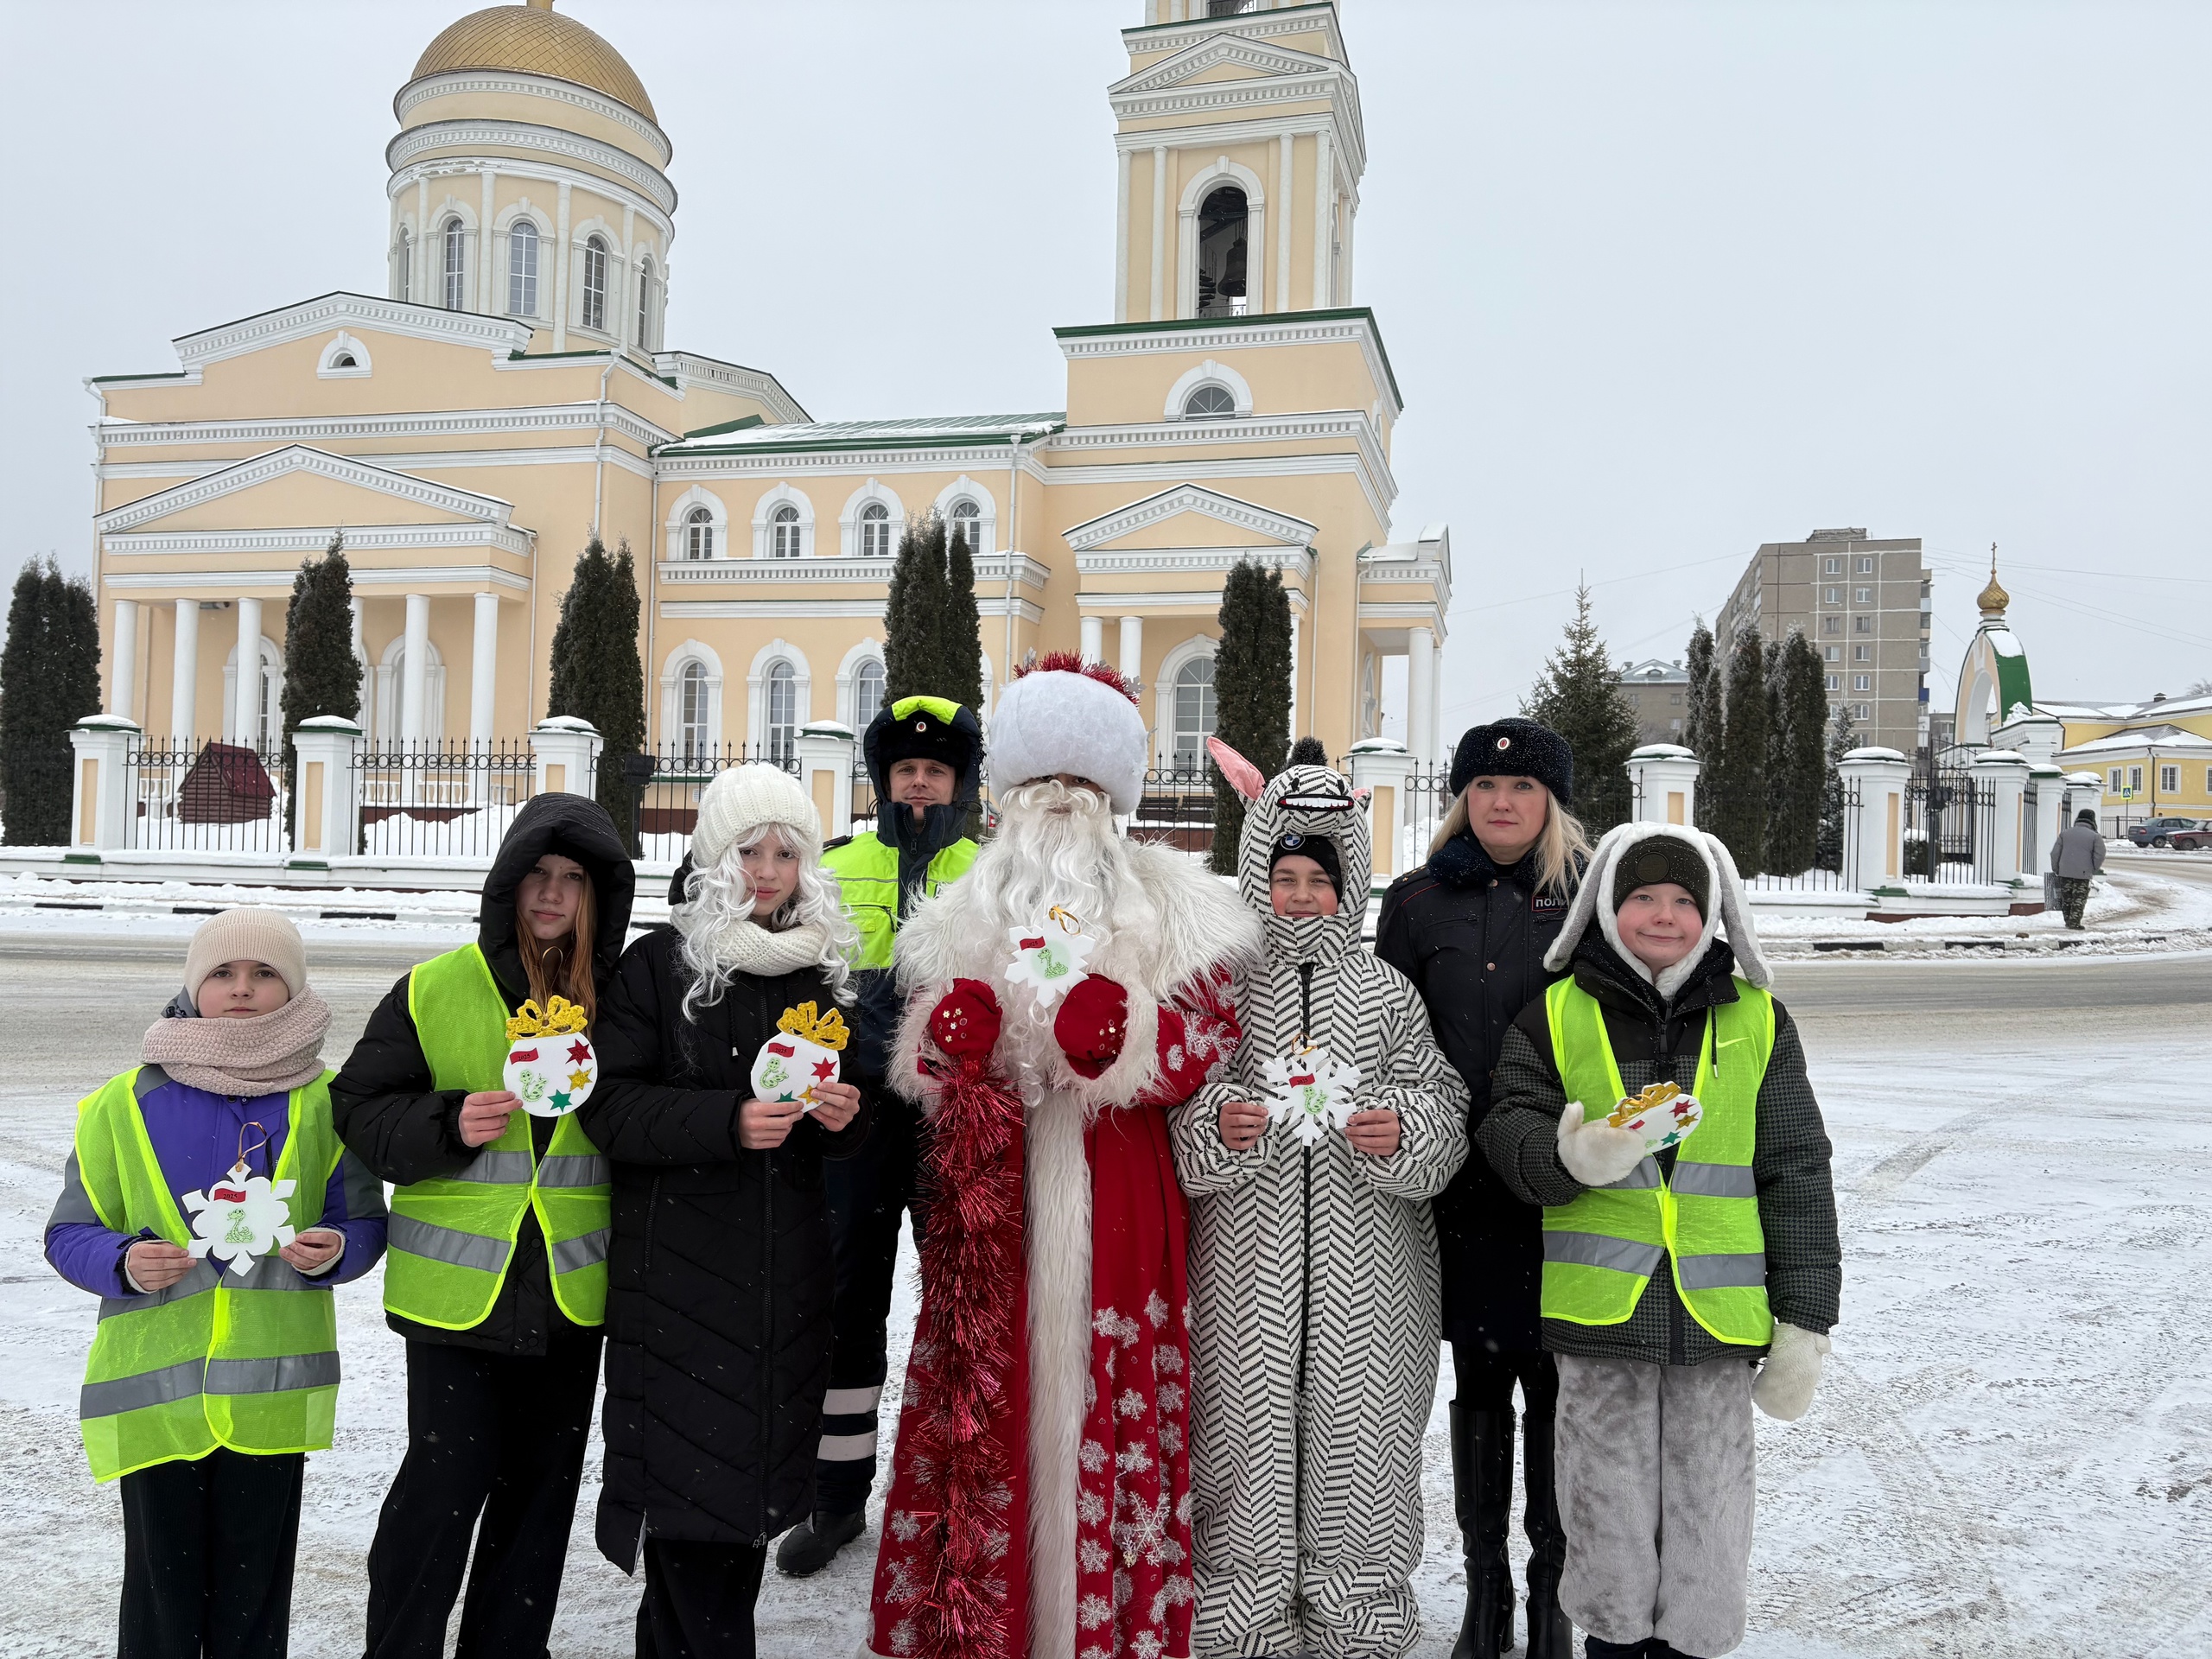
512 389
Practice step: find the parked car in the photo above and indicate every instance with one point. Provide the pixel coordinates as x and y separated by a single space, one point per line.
2193 841
2159 832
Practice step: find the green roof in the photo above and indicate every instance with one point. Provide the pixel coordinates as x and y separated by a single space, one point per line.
917 433
1339 314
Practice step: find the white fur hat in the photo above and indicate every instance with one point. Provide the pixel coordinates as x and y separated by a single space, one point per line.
1727 914
741 800
1059 716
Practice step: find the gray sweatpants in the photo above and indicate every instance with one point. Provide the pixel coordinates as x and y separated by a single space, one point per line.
1656 1485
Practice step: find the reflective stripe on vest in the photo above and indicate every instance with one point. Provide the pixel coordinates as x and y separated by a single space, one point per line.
867 868
452 1239
1601 1250
218 1358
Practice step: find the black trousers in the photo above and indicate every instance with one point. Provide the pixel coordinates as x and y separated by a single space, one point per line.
208 1550
1486 1383
488 1435
698 1602
867 1193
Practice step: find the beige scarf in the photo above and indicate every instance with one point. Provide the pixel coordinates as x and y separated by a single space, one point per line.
263 1055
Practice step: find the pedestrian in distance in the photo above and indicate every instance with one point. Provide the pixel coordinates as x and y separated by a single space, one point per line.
1314 1269
497 1272
923 756
1469 929
207 1188
1683 1243
2077 855
721 1278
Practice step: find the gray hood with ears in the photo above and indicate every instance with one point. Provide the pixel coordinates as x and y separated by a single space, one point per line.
1728 914
1316 801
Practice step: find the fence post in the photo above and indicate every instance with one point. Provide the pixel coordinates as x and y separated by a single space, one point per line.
2049 817
824 748
327 794
2085 792
1382 764
1662 782
567 750
99 791
1874 782
2004 771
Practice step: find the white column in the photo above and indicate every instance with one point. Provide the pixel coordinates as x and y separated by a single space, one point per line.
1121 163
1873 817
368 679
1324 165
824 750
566 751
1381 765
1420 694
483 668
1094 638
245 683
123 680
1282 226
1295 631
326 803
562 258
484 244
1159 230
184 669
2048 819
100 746
1663 785
2006 771
415 671
1131 661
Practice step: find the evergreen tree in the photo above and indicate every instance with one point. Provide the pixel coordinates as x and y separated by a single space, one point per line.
1578 695
596 674
1797 756
963 630
1697 734
321 676
49 680
1774 775
1251 692
1842 738
913 625
1738 815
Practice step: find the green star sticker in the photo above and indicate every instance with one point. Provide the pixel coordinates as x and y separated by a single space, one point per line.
560 1103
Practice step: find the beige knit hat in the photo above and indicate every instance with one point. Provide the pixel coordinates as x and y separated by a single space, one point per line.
741 800
248 933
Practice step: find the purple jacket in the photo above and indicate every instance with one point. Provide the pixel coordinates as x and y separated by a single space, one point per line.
196 1138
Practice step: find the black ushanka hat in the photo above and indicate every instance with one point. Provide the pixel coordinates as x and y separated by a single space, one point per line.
1514 748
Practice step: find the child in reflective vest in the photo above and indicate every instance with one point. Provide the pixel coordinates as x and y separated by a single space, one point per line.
205 1188
1656 1103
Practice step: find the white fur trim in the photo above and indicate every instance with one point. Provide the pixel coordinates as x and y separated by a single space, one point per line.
1056 1239
1055 722
1726 912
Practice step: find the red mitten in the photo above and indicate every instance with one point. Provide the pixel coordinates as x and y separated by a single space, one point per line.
1092 1023
965 1023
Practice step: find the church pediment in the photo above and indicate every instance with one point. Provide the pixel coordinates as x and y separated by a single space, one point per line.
1224 57
360 312
299 485
1191 516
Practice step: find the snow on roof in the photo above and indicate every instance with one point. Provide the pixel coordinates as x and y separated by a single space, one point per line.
2168 740
850 434
2004 642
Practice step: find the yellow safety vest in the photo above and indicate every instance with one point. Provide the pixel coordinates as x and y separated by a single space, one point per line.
867 868
247 1362
1601 1250
452 1238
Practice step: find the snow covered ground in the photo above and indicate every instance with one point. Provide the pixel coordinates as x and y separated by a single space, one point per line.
2011 1454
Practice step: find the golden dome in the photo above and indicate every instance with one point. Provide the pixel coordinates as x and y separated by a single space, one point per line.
535 39
1993 598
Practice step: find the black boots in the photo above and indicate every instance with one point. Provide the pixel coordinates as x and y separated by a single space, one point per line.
1482 1491
814 1543
1551 1634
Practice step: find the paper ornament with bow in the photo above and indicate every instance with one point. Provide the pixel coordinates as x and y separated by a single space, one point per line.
803 1055
1049 957
1311 1090
552 1066
240 1217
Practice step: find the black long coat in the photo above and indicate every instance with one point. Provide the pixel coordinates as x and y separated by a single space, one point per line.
719 1275
1472 938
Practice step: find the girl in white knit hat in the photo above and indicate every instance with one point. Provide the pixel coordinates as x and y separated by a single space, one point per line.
722 1039
202 1183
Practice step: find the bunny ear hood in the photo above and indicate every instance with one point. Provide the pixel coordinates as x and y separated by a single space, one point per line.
1315 801
1728 914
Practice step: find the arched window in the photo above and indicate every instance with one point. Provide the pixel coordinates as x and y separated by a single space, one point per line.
867 691
691 709
783 532
594 311
344 360
522 269
782 731
1194 711
1209 403
1222 222
648 307
968 521
699 534
404 276
454 267
875 530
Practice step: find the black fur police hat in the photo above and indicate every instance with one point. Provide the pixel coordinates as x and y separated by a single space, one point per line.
1514 748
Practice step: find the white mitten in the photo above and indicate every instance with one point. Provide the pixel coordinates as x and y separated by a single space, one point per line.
1783 1387
1596 1153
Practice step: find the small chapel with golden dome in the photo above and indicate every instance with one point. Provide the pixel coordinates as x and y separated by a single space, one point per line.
512 391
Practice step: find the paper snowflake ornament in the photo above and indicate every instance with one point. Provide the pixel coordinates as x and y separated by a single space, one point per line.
1311 1090
1049 957
240 1217
550 1064
803 1054
1663 1114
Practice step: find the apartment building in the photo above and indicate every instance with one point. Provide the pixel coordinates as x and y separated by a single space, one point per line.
1659 692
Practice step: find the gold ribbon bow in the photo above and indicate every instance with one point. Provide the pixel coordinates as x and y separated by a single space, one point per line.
826 1031
1648 1100
557 1018
1069 921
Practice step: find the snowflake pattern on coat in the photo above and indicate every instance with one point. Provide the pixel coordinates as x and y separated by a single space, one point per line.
1133 1592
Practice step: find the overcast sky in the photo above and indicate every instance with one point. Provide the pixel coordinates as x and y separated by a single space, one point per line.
1660 280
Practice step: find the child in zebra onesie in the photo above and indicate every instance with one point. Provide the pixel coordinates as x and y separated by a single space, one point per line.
1315 1291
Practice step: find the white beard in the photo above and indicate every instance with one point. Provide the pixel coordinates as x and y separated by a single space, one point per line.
1058 846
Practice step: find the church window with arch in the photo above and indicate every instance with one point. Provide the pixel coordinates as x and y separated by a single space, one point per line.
594 306
1224 220
1209 403
876 531
1194 712
784 532
968 521
522 269
780 731
453 265
691 708
867 691
699 534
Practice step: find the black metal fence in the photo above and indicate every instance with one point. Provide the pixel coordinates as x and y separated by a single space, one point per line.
1176 809
668 800
1950 829
432 800
208 797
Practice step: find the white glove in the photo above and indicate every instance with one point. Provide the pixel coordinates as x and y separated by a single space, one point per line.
1783 1387
1596 1153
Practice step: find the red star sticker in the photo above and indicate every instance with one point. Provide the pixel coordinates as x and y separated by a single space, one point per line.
580 1052
824 1070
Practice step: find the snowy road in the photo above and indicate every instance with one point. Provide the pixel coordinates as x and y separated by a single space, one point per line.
2012 1453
